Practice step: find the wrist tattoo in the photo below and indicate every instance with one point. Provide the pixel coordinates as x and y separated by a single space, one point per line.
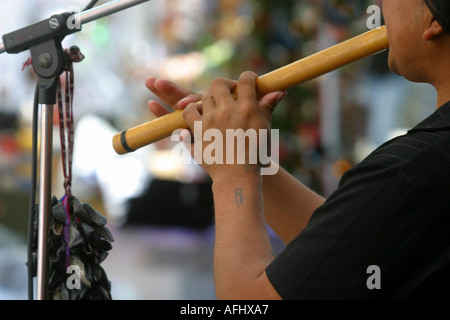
238 197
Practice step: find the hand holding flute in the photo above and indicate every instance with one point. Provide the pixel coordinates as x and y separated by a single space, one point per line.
281 79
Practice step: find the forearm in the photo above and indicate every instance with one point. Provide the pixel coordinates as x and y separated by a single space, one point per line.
288 204
242 247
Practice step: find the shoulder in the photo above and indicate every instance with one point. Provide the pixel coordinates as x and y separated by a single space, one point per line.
413 147
421 158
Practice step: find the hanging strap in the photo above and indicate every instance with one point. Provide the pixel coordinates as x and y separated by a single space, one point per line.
66 128
66 131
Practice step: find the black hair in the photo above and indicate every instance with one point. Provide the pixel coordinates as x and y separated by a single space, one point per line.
441 11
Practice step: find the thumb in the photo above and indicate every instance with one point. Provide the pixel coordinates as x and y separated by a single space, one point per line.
270 101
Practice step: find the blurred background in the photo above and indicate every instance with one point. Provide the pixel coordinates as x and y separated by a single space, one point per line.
159 209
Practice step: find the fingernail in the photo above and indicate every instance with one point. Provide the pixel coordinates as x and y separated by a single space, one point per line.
150 82
180 103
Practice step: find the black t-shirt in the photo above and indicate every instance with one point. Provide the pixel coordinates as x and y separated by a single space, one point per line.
385 232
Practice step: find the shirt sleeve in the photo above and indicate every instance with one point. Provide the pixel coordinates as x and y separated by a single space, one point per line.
374 219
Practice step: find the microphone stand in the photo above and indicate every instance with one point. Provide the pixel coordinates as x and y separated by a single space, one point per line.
44 40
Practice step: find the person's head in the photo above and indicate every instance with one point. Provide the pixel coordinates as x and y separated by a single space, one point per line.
419 37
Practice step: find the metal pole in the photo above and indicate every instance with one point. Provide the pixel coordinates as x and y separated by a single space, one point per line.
45 185
106 10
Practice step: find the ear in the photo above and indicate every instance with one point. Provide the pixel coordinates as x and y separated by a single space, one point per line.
433 30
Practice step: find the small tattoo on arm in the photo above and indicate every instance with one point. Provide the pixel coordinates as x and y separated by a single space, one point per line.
238 197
